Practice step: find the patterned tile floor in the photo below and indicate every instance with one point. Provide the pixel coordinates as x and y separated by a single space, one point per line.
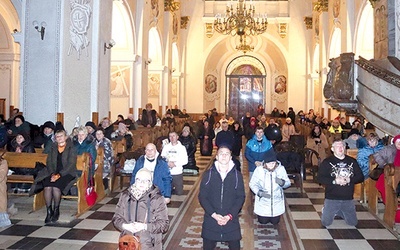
300 227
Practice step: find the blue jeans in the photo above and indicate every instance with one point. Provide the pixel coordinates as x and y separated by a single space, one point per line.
343 208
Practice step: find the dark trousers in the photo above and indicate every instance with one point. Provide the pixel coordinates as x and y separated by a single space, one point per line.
264 220
210 244
177 184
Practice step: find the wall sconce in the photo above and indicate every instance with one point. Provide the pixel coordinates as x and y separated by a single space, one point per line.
109 45
42 28
148 61
171 71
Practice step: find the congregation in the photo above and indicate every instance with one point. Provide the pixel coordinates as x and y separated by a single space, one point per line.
264 139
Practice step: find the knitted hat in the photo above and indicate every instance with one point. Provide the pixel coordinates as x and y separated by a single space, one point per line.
59 126
91 124
269 156
49 124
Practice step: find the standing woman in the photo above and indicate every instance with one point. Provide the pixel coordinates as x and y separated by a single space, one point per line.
206 136
141 210
288 129
59 174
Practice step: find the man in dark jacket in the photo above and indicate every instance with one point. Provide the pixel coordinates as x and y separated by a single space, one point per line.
225 136
221 196
339 173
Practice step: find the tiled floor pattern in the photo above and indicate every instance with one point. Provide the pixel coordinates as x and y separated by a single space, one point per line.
300 227
305 211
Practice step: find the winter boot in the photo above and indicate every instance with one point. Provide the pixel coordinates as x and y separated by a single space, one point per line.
49 215
56 214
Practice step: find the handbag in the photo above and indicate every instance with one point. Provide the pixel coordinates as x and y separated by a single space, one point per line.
90 195
129 242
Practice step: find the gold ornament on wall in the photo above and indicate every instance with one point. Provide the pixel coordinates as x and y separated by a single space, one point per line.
321 6
184 21
308 21
171 5
282 30
209 30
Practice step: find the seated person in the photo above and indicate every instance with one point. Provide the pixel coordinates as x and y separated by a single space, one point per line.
46 137
373 146
19 126
183 114
91 128
335 127
355 140
123 132
105 143
107 126
168 119
85 144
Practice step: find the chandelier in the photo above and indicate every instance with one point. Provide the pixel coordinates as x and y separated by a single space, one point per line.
243 46
243 22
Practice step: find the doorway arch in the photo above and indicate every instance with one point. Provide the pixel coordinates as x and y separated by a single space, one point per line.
245 83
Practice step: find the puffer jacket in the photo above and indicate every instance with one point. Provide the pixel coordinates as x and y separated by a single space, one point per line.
264 179
255 151
363 157
189 142
386 155
149 209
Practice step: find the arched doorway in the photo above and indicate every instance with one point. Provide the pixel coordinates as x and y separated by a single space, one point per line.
245 86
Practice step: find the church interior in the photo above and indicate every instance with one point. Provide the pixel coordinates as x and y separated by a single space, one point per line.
82 60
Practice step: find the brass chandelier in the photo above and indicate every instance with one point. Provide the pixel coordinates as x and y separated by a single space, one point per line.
242 23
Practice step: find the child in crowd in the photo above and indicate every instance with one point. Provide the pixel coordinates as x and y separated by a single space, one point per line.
268 182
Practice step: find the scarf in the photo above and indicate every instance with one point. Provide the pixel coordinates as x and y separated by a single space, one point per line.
137 193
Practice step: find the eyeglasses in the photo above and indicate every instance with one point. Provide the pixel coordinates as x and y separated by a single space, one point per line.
142 181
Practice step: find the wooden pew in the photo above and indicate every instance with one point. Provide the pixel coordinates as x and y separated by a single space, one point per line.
392 178
372 191
25 160
28 160
98 175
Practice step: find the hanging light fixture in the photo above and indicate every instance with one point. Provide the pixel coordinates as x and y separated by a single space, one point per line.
243 46
243 22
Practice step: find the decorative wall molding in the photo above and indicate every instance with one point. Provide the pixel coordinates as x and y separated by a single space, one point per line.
80 19
4 67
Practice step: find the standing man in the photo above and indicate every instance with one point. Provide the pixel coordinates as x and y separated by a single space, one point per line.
255 150
175 154
339 173
153 162
221 196
225 136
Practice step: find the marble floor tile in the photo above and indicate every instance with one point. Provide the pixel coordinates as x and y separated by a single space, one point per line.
372 234
107 208
320 234
49 232
305 216
353 244
298 201
8 240
80 234
316 195
66 244
92 224
107 236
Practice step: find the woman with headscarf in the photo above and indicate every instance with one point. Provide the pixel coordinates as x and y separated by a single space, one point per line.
141 211
288 129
